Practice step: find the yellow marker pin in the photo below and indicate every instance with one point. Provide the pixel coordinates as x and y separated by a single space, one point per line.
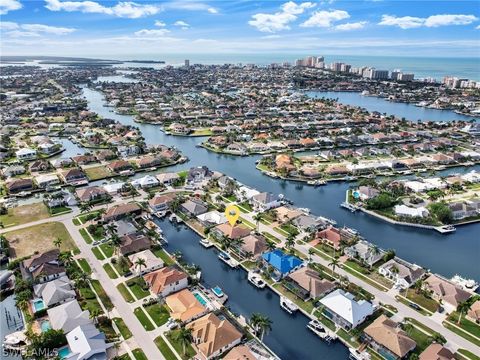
232 214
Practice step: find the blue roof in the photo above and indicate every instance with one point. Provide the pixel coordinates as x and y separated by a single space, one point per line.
282 262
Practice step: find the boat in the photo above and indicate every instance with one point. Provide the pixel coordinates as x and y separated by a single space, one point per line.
446 229
317 327
316 182
256 280
217 291
358 355
222 255
15 341
205 243
327 220
466 284
288 305
348 206
351 231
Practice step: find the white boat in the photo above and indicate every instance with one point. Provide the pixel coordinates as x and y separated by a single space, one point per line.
288 305
205 243
446 229
466 284
319 330
327 220
15 341
256 280
358 355
349 206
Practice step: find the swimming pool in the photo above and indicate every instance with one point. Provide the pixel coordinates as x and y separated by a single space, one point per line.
45 325
64 352
356 194
200 298
38 305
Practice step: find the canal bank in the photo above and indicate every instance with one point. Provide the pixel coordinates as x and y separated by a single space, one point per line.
289 338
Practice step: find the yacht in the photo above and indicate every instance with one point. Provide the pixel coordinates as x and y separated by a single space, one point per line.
288 305
348 206
358 355
318 329
15 341
217 291
256 280
466 284
205 243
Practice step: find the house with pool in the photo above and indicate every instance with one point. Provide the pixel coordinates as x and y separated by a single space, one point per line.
282 263
186 305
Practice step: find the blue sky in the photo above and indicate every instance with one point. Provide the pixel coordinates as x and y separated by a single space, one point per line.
150 28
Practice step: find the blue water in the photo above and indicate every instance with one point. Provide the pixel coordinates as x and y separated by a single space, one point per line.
200 298
38 305
64 352
45 326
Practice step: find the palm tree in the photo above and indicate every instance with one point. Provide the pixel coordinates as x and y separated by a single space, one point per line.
257 218
115 242
66 257
82 279
94 314
85 207
334 263
184 337
271 245
261 324
140 263
112 228
57 242
462 309
310 253
408 328
290 241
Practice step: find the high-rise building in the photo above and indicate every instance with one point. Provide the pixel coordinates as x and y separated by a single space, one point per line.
405 77
187 63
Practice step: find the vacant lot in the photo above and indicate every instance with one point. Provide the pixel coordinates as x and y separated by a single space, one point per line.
97 172
25 214
39 238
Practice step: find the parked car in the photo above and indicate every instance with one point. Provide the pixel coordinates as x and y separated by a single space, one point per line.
414 306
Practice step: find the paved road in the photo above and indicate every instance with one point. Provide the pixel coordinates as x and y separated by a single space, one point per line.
455 341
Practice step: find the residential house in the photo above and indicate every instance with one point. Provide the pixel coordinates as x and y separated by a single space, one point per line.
39 165
401 272
46 180
333 236
91 193
386 337
306 283
445 291
232 232
26 154
436 351
161 203
462 210
264 201
308 223
68 316
119 165
121 211
473 313
19 185
43 267
145 182
152 262
197 175
282 263
168 178
212 218
252 245
166 281
133 243
193 207
346 312
84 159
184 306
367 192
365 252
74 177
86 342
13 170
404 210
55 292
213 336
240 352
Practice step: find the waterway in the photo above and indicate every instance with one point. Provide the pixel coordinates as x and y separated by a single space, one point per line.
289 338
11 320
445 254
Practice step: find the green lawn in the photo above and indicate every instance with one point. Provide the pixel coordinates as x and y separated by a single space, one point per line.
465 324
97 172
109 270
97 233
140 314
97 253
107 249
189 351
245 207
59 210
422 300
137 289
102 294
164 349
85 236
88 300
307 306
124 330
160 253
465 354
125 293
423 340
24 214
271 237
461 333
85 266
139 354
158 313
365 278
86 217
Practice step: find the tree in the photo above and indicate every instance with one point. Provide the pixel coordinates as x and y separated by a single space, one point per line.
408 328
115 242
334 263
290 241
271 245
85 207
184 337
310 253
94 314
462 309
66 258
261 324
257 217
57 242
140 263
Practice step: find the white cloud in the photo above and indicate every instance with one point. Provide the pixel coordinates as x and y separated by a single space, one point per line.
160 23
279 20
444 20
351 26
29 30
190 5
154 32
181 24
125 9
325 18
9 5
212 10
478 27
409 22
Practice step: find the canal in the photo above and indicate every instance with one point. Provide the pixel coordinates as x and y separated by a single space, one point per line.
289 338
445 254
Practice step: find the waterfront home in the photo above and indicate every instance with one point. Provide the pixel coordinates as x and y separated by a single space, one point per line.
13 170
240 352
43 267
194 207
133 243
284 163
166 281
149 161
388 339
308 223
91 193
128 150
264 201
26 154
307 284
145 182
346 312
55 292
197 175
436 351
445 291
68 316
184 306
61 198
244 193
282 263
364 252
46 180
19 185
121 211
84 159
285 214
232 232
39 165
367 192
62 162
402 273
161 203
462 210
119 165
86 342
252 245
474 312
213 336
168 178
407 211
152 262
212 218
104 155
333 236
74 177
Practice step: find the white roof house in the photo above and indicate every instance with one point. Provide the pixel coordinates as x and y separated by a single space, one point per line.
47 179
26 153
403 210
68 316
86 342
245 192
342 308
113 188
55 291
151 261
213 217
145 182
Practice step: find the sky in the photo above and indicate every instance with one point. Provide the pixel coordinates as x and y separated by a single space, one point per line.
148 28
